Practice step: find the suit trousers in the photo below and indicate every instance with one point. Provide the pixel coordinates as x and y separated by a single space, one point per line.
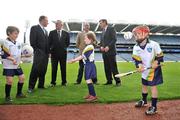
110 67
54 64
39 68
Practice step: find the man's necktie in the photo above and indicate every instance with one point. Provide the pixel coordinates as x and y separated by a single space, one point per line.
45 32
59 34
103 32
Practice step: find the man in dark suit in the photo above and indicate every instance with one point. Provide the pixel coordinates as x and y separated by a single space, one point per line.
59 40
108 49
39 42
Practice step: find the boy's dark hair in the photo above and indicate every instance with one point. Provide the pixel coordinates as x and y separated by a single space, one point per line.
11 29
42 18
103 20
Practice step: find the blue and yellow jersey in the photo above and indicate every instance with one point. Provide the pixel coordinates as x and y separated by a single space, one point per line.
88 54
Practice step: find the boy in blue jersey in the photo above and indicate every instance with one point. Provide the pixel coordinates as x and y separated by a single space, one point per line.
11 59
90 68
147 53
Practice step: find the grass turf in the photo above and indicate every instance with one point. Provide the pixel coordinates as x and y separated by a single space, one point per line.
73 94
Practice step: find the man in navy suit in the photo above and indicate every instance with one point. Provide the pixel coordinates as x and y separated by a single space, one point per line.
108 49
59 40
39 42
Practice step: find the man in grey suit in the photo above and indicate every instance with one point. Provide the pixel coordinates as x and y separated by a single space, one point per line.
39 42
108 49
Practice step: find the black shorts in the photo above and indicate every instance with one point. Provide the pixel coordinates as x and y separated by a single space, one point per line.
152 83
12 72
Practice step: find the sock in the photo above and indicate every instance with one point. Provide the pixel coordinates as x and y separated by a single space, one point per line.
144 95
19 88
7 90
91 89
154 102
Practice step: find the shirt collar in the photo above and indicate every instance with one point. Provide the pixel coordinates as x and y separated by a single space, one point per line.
14 42
41 27
59 30
105 28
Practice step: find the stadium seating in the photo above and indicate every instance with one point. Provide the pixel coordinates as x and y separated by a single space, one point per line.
169 44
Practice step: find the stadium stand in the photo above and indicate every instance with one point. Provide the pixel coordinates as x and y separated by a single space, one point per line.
167 36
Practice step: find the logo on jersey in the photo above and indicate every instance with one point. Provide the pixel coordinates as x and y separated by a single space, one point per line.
149 50
19 47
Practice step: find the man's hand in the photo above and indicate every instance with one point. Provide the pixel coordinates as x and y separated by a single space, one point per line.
102 49
106 49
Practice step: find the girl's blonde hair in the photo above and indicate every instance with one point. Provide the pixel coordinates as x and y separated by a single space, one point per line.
92 37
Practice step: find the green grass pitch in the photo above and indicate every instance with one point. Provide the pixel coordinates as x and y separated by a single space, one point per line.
73 94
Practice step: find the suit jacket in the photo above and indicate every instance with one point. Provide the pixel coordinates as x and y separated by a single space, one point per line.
58 47
39 40
109 39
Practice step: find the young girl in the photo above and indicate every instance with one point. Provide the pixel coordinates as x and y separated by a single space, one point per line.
147 53
90 68
11 59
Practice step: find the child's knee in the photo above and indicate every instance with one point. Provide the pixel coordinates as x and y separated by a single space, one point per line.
9 81
21 80
144 87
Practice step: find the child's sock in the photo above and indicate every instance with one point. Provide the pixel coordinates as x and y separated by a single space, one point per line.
144 95
7 90
91 89
154 102
19 88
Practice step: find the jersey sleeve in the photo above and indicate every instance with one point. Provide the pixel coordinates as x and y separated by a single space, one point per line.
135 56
159 54
5 50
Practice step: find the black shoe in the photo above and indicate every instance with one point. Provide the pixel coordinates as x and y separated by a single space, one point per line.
30 90
77 83
108 83
21 96
140 103
42 87
151 111
63 84
8 100
52 85
96 83
118 84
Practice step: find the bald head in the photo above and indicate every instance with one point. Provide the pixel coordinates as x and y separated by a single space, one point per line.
86 26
